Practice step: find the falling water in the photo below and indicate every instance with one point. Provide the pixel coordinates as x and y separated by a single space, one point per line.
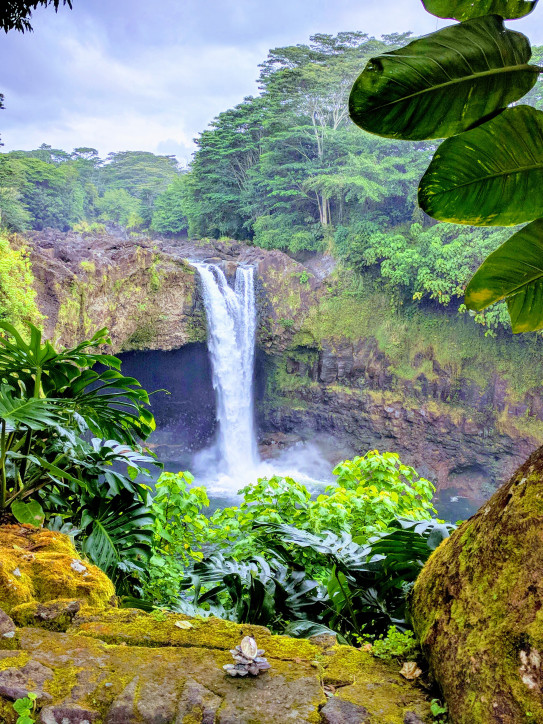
231 321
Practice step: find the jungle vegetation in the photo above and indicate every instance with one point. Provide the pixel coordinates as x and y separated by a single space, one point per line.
286 169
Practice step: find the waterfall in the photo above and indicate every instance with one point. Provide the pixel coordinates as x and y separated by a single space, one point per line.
231 322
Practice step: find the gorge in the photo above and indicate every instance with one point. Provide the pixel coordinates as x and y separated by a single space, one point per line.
327 362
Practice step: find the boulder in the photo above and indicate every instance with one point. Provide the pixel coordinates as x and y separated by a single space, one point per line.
39 566
478 607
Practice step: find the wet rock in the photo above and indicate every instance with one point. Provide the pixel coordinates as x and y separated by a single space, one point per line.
7 627
412 718
337 711
198 702
16 683
56 615
68 714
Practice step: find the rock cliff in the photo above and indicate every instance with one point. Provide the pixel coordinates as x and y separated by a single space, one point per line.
464 409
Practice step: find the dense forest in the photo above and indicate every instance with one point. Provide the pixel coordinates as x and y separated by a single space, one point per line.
286 169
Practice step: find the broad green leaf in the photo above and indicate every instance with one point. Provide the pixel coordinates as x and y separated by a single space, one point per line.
30 513
35 413
444 83
466 9
491 175
513 272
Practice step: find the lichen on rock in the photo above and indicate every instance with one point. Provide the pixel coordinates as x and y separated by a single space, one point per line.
478 607
37 566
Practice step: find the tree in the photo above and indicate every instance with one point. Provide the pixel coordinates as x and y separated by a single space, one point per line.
16 14
169 215
142 174
119 206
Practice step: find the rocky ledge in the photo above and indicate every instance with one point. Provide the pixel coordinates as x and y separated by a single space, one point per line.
90 662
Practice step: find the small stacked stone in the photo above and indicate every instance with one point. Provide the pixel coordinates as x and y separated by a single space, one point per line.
248 658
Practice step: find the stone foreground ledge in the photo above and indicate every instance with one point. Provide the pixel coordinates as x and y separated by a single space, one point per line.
124 666
62 638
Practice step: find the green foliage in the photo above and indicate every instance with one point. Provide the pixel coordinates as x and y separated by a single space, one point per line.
259 591
119 206
50 187
169 215
502 277
49 400
423 264
462 188
439 711
341 562
398 92
180 531
16 14
367 583
17 295
489 174
29 513
465 9
26 708
395 645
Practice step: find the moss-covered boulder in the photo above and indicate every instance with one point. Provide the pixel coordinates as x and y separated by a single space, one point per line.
478 607
39 566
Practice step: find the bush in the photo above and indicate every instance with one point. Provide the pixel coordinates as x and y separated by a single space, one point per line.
51 403
17 295
343 561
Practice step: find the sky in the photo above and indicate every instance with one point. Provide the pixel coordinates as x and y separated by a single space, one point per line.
120 75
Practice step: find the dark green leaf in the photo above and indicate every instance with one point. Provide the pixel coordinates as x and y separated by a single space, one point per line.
466 9
513 272
444 83
490 176
35 413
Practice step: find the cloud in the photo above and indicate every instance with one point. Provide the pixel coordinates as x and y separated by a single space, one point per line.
131 74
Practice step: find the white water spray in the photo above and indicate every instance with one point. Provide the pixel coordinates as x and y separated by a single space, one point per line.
231 321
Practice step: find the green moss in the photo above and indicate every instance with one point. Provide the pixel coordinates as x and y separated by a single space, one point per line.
13 659
88 266
7 712
37 565
477 602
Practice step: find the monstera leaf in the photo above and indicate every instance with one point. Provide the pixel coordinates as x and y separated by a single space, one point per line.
514 272
466 9
444 83
490 176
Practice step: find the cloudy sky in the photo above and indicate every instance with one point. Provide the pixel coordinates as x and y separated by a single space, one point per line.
139 75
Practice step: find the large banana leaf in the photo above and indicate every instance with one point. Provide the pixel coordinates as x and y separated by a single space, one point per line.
490 176
513 272
444 83
466 9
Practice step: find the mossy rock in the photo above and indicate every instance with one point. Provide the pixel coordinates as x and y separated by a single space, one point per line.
87 661
182 681
478 607
37 566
